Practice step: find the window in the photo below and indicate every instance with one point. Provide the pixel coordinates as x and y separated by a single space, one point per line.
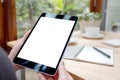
112 16
28 11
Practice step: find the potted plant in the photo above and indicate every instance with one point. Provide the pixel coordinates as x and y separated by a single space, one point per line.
115 26
87 19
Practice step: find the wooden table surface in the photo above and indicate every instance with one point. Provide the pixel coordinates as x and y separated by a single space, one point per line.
89 71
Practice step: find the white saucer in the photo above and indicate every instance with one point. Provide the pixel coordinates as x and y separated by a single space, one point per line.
72 41
92 36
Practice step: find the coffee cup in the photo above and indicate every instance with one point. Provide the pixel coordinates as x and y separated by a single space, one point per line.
92 31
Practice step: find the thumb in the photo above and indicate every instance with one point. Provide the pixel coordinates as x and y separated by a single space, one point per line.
41 77
26 35
63 74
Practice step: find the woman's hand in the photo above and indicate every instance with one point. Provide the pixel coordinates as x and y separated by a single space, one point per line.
62 74
15 49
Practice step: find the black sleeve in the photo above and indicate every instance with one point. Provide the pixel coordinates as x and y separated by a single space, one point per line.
6 68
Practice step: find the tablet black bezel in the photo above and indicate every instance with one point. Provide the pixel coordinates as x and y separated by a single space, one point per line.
37 66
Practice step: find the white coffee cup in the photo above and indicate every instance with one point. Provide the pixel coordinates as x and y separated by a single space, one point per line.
92 31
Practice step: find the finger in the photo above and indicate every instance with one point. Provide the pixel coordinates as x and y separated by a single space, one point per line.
61 66
26 35
45 77
56 76
49 77
20 42
17 46
63 74
41 77
61 69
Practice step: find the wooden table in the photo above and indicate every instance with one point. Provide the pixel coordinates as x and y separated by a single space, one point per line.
89 71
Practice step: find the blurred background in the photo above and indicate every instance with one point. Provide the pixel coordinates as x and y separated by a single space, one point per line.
28 11
17 16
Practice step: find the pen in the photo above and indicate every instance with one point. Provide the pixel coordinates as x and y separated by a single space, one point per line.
79 51
108 56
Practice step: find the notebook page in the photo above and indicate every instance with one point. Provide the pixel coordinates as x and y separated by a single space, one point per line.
89 54
71 52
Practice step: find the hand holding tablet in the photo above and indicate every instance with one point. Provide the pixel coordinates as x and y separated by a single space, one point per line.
44 47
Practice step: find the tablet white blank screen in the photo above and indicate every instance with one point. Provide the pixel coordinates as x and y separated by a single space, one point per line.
47 41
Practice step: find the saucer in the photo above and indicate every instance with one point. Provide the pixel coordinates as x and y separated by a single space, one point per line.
72 42
92 36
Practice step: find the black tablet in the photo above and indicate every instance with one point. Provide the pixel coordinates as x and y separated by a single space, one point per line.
45 45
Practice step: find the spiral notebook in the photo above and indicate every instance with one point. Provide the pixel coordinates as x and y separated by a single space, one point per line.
90 54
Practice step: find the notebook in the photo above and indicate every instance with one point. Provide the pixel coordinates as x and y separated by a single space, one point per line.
89 54
112 42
